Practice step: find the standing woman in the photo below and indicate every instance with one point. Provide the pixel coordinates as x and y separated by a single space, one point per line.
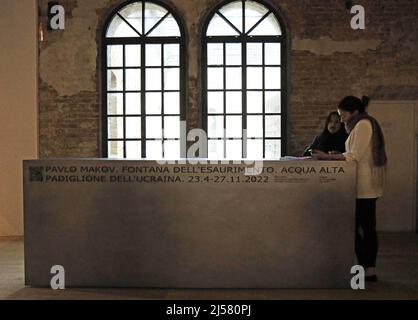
366 146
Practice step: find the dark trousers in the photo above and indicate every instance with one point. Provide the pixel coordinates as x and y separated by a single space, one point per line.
366 237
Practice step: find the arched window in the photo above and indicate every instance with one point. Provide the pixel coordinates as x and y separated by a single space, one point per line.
244 81
143 83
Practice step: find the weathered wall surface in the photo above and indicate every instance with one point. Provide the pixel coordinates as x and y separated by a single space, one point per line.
327 60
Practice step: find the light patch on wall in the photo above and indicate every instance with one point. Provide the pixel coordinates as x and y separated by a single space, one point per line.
69 64
327 46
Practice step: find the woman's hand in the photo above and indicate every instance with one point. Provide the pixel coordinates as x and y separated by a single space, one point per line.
320 155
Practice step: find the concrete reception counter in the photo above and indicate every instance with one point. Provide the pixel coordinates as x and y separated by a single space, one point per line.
142 224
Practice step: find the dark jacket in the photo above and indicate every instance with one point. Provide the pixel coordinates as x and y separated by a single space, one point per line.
327 142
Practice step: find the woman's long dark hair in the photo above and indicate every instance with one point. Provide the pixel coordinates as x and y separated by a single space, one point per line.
332 141
352 104
328 120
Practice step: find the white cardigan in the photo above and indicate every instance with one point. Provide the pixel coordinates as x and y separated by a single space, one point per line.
370 179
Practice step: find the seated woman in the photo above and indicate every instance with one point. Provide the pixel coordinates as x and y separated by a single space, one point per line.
332 139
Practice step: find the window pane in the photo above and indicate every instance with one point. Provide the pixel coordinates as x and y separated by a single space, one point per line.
233 78
273 53
133 14
133 103
255 127
273 149
268 27
254 78
219 27
172 127
153 103
233 54
153 78
234 149
167 28
273 78
172 103
153 14
233 12
154 150
273 102
115 149
115 104
120 29
215 102
255 149
133 128
133 150
171 150
172 79
153 55
154 128
234 127
215 78
215 149
115 127
253 13
273 127
215 127
115 56
115 80
234 102
215 54
254 102
255 53
133 79
133 55
172 55
126 113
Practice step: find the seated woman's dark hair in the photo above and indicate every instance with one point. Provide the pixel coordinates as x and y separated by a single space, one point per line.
352 104
329 141
334 113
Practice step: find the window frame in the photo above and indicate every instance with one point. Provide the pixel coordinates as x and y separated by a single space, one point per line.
142 40
243 38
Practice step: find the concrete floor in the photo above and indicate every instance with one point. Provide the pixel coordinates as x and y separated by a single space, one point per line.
398 274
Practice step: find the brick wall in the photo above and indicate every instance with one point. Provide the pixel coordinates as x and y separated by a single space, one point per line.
327 60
